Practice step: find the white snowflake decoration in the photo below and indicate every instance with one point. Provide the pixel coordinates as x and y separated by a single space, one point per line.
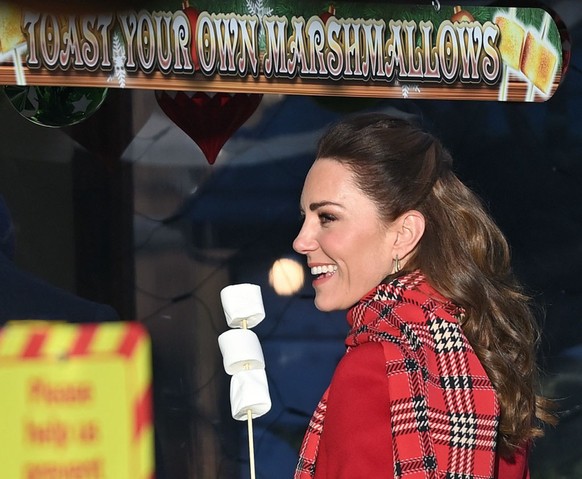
407 88
119 58
258 8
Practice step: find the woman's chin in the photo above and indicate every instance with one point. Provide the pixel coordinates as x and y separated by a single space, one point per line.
326 305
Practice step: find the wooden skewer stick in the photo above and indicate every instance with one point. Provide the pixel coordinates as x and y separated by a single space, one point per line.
251 445
18 69
250 425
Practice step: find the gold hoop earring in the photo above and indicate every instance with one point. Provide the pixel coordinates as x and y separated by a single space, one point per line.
396 264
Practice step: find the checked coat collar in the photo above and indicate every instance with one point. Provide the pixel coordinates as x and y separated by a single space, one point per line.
444 414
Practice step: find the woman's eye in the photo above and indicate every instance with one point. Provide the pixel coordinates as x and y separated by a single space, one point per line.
326 218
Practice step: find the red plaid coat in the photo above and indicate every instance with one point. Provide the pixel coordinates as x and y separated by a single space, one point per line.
410 398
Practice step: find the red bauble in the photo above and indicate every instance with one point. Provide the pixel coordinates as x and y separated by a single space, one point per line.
210 120
325 16
460 15
192 15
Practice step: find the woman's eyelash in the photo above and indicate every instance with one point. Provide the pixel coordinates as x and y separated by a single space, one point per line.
326 217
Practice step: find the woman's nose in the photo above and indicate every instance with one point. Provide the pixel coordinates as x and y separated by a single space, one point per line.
304 242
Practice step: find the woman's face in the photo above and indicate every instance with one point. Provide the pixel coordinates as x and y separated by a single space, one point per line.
348 246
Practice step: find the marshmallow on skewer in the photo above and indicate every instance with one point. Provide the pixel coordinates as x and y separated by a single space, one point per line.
243 357
242 353
243 305
12 41
241 350
249 391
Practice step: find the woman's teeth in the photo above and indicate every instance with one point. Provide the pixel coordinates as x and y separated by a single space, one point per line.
328 268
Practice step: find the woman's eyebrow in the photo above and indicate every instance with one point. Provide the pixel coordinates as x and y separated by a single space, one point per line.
319 204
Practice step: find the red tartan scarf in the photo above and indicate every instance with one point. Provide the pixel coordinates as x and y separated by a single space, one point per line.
444 413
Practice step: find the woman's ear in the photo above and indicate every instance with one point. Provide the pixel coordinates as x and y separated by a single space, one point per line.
409 231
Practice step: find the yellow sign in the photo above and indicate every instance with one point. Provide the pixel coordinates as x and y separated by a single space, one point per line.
76 401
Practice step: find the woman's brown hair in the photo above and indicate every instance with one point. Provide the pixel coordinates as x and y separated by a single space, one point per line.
463 254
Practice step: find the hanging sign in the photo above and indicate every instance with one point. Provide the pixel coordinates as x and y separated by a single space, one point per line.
76 401
291 47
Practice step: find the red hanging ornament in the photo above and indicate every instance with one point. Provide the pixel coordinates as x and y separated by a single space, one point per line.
460 15
192 15
210 120
325 16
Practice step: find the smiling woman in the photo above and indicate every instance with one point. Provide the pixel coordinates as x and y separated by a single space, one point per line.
348 247
439 375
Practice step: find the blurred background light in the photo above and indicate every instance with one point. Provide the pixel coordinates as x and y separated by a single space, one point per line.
286 276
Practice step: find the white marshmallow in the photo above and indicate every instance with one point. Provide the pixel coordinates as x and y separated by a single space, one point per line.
249 390
242 302
240 350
